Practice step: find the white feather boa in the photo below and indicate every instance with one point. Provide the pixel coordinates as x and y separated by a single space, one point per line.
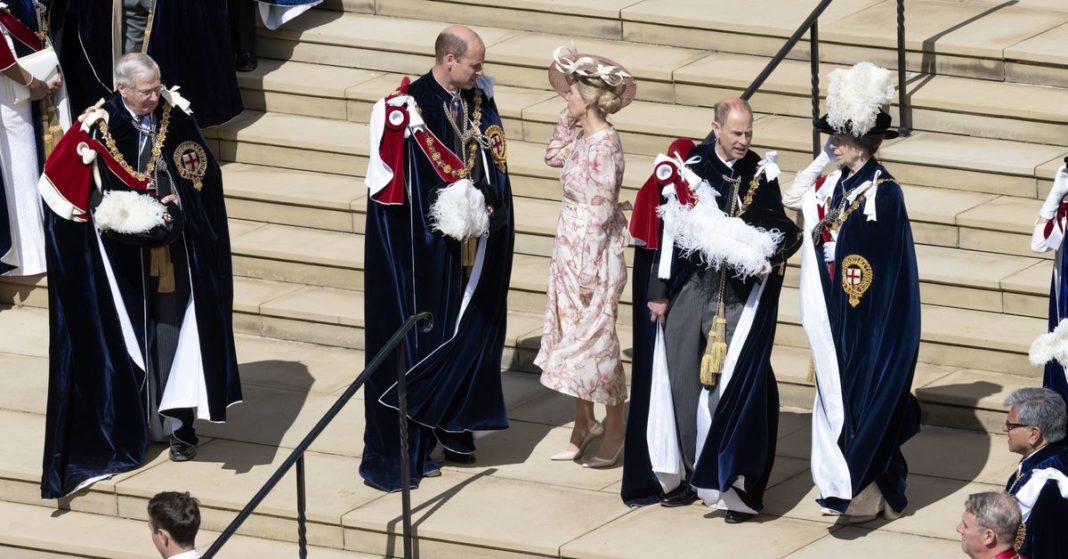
125 211
703 229
460 211
856 95
1053 345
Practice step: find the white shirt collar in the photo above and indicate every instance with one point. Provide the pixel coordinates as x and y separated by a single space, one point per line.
191 554
729 164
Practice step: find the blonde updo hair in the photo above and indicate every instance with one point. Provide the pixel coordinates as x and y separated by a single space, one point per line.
599 94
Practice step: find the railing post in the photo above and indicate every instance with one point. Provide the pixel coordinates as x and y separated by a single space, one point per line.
814 52
903 125
302 527
405 459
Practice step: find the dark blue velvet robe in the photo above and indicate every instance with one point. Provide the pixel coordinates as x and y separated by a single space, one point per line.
1054 376
96 421
1046 534
877 341
454 383
190 40
741 440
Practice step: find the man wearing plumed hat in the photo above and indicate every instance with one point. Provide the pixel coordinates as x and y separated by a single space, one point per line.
713 239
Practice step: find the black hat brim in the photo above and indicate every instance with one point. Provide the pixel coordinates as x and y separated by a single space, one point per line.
882 127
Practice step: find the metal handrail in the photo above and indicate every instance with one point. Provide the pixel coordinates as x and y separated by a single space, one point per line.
297 456
811 26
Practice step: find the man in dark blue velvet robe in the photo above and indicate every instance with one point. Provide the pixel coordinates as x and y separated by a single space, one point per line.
140 333
189 39
726 429
1035 427
1048 235
439 238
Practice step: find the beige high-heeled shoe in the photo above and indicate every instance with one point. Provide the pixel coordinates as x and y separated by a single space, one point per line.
595 431
599 463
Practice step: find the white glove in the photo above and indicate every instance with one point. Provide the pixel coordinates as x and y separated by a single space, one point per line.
806 178
828 251
1056 193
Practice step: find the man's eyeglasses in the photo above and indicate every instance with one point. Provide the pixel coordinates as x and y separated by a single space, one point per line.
1009 426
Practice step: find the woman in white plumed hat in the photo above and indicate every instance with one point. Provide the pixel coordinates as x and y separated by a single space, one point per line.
579 353
860 302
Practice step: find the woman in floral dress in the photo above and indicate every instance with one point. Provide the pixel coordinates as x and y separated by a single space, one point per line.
579 353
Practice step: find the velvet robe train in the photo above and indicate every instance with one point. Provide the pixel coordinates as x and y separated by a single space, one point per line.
96 422
454 382
189 39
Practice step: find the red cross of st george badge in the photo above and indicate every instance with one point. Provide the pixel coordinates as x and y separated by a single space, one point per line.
192 162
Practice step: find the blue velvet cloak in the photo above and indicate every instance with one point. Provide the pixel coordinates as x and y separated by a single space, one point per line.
190 40
1054 377
1046 535
96 421
877 342
741 440
454 382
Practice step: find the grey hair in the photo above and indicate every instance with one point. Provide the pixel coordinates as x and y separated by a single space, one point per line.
997 511
1042 408
133 65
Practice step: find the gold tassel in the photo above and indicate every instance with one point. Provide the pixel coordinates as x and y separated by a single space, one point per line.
162 267
468 252
50 124
715 351
1021 537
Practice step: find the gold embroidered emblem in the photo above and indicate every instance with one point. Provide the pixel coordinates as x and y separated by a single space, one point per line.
498 145
192 162
856 277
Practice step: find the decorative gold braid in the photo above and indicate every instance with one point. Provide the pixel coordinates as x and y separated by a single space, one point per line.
157 147
754 185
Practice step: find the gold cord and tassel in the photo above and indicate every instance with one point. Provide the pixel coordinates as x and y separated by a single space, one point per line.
50 126
811 371
162 267
716 348
468 252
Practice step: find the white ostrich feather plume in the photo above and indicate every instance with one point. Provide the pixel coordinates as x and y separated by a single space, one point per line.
856 95
716 239
460 211
125 211
1053 345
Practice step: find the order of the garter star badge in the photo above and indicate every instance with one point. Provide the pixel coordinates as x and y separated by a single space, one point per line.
856 277
192 162
498 145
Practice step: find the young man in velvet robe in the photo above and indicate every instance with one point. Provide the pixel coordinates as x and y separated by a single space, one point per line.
439 239
140 333
724 423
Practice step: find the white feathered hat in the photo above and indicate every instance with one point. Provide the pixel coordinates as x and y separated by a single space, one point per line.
855 100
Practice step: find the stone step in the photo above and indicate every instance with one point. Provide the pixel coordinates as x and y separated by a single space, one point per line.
38 529
923 159
943 104
984 39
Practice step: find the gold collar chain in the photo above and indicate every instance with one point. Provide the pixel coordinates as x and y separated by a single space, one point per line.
469 135
157 147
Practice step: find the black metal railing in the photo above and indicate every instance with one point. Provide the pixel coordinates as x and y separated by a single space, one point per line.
811 26
297 456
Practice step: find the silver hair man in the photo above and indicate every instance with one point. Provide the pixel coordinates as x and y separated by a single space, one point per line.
1042 408
132 66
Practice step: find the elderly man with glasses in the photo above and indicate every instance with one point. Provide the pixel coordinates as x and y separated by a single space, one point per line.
1035 428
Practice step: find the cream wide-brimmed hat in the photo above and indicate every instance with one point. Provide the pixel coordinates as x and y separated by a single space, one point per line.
569 65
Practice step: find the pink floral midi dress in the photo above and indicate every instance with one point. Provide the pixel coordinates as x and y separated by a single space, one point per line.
579 353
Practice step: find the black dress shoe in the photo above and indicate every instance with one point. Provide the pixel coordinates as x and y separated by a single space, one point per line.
459 457
246 62
735 517
680 497
182 451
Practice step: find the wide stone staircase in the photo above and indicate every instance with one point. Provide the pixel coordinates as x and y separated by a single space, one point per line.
986 89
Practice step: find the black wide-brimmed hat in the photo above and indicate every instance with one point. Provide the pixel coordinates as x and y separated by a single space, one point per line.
882 127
